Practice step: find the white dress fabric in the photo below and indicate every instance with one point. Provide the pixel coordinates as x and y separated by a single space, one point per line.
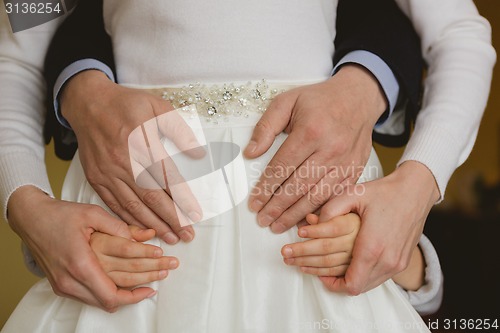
231 279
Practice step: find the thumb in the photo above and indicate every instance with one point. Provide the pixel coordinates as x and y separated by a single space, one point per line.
111 225
334 284
141 235
272 123
340 205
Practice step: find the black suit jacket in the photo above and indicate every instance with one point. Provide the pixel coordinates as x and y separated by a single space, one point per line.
377 26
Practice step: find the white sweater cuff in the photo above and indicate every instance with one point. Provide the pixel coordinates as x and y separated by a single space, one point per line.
435 148
19 169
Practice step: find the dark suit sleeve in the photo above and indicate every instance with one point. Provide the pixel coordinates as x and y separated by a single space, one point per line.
379 26
80 36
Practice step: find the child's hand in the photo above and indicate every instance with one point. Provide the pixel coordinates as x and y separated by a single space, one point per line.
130 263
328 252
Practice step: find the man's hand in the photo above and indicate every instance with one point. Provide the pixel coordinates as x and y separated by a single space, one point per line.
66 257
393 211
103 115
330 127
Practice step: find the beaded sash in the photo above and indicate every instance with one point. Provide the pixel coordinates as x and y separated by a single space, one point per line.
220 101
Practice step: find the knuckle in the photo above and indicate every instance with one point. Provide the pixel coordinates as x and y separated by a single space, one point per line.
127 249
400 266
116 156
114 206
339 147
391 263
263 125
152 198
317 198
109 303
275 211
353 290
132 206
300 187
313 132
277 169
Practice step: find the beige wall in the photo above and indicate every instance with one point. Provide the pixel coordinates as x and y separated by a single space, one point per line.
15 280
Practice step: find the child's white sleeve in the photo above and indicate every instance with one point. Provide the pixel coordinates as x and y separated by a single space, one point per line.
428 298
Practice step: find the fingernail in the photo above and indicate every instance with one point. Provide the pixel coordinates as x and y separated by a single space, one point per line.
265 220
171 238
289 261
152 294
255 205
252 146
194 216
302 232
173 264
186 236
278 227
162 274
158 253
287 252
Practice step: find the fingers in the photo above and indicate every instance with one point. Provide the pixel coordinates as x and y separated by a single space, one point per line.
174 128
272 123
104 222
176 190
130 280
123 248
138 265
280 168
336 271
318 194
321 246
141 235
321 261
334 284
139 207
98 289
312 218
336 227
344 203
161 170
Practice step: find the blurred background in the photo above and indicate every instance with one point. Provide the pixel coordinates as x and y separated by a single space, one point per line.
464 228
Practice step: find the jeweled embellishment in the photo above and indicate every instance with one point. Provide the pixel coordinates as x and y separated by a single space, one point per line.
222 101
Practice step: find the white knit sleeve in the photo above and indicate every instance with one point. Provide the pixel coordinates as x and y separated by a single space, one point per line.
22 109
456 44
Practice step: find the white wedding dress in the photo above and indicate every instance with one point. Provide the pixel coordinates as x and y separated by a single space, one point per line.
232 277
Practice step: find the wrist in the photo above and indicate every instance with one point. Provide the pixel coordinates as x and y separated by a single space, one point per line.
81 86
413 277
418 176
366 86
21 203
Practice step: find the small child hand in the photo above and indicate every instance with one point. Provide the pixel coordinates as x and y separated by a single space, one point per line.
329 251
131 263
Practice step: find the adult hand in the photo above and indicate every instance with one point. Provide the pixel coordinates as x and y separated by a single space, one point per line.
330 127
393 211
66 257
103 115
